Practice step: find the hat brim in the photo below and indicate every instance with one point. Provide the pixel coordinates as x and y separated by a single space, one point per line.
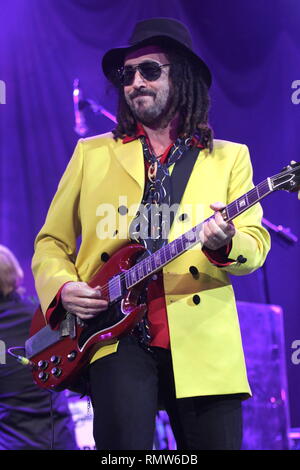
114 58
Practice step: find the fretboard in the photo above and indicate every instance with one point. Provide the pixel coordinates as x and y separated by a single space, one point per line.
167 253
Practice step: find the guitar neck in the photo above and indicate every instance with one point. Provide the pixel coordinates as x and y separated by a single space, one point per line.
160 258
248 200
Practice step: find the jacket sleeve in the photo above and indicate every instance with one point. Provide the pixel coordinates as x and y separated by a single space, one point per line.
251 242
53 263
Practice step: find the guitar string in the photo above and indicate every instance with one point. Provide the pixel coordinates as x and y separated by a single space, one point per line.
287 172
115 282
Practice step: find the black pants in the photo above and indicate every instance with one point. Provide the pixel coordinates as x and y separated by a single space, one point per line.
126 388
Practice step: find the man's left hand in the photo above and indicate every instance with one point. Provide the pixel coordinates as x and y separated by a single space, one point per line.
216 232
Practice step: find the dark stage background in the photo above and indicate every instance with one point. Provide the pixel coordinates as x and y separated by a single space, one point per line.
253 50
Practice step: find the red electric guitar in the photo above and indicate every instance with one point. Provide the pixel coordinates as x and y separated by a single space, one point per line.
58 355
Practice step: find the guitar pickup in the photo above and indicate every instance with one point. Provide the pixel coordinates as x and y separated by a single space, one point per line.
115 288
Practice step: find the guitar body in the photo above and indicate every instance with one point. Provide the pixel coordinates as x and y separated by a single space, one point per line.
59 365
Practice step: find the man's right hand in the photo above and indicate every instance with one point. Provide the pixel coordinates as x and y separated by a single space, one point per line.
82 300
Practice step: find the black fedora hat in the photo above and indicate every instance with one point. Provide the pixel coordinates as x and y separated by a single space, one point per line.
163 31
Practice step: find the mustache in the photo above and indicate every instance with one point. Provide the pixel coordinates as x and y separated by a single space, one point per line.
136 93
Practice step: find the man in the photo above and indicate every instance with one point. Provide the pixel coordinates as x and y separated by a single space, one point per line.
193 364
25 421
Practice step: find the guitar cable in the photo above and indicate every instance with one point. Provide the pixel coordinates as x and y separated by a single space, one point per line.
52 435
26 362
22 359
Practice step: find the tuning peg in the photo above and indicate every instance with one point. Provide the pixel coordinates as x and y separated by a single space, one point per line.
287 167
291 165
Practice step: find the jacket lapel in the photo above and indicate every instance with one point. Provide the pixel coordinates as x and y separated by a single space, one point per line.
130 156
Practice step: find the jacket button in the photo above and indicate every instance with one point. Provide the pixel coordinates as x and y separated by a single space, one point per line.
194 271
104 257
122 210
183 217
241 259
196 299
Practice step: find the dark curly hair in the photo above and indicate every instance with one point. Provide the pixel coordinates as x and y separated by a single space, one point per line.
190 99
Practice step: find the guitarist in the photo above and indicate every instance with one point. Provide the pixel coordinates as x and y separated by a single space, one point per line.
193 363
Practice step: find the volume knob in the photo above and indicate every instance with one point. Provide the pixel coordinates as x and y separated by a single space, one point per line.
43 376
56 371
55 359
42 364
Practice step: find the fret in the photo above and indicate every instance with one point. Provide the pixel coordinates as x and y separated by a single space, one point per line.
127 279
236 206
177 243
144 268
162 256
168 253
185 240
140 270
252 196
263 189
133 275
181 243
192 236
148 263
231 211
173 248
258 191
197 231
157 259
153 266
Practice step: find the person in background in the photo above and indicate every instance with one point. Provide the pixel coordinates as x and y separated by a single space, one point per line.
25 421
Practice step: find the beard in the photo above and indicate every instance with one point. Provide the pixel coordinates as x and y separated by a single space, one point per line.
147 106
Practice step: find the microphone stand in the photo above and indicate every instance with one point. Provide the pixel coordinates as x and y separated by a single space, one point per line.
79 104
97 109
283 234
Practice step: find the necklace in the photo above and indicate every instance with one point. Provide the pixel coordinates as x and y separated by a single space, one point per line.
152 170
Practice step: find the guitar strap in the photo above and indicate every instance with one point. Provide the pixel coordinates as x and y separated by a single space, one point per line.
180 175
178 181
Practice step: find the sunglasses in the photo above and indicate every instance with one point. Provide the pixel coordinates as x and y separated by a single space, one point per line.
151 71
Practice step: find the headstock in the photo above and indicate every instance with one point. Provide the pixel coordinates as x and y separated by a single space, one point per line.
288 179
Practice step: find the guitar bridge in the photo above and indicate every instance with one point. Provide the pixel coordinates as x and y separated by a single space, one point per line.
68 326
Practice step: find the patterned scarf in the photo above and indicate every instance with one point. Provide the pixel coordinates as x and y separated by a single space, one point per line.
150 227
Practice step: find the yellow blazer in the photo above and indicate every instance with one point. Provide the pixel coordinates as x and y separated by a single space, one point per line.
102 177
